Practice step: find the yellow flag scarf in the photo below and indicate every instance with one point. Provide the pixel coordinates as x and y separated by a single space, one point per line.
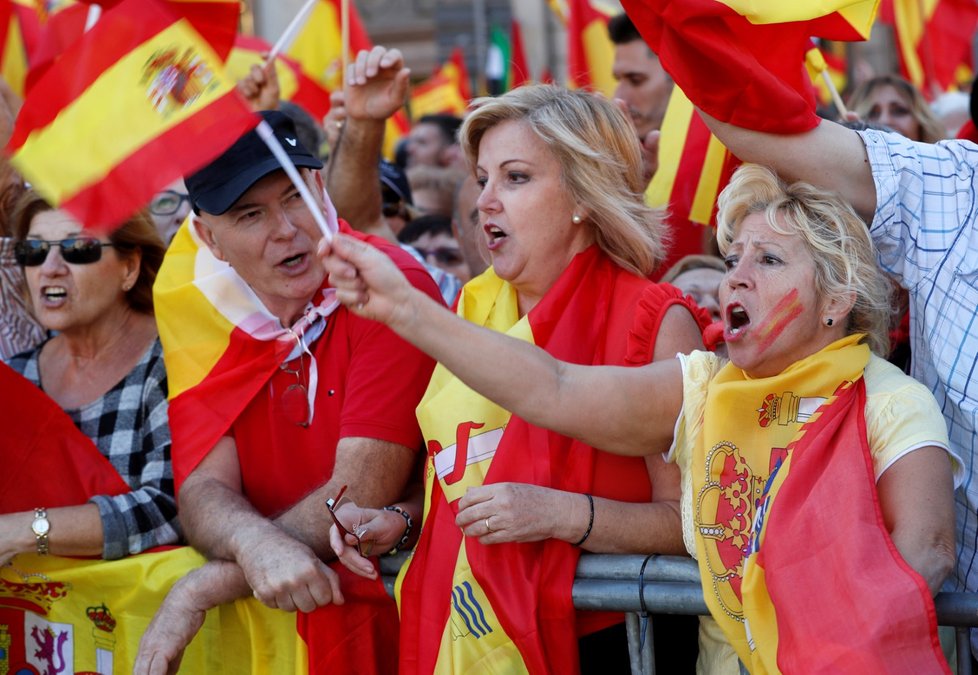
798 568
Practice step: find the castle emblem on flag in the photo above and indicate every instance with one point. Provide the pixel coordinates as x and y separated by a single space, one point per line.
787 409
175 79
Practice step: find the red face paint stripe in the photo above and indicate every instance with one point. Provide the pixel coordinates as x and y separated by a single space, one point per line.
786 311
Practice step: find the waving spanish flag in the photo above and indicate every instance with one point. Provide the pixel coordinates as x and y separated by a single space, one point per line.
18 27
934 38
590 53
693 167
742 61
140 100
446 91
295 85
318 49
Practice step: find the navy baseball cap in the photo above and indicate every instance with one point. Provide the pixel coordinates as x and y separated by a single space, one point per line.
217 186
393 178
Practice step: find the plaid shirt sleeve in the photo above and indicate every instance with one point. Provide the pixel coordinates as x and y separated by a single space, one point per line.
130 428
926 231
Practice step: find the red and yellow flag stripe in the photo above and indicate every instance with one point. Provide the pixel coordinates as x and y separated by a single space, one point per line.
141 100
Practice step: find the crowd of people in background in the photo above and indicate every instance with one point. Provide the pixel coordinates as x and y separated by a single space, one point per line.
495 363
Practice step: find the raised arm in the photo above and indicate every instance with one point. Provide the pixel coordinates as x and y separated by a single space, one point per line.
829 156
376 87
629 411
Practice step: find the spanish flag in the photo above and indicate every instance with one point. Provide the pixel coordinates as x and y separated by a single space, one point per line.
444 92
141 99
934 39
16 32
86 616
828 58
752 51
693 167
318 49
294 84
590 53
798 568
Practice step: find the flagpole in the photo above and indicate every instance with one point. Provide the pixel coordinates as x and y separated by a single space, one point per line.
839 105
345 33
288 37
266 134
94 14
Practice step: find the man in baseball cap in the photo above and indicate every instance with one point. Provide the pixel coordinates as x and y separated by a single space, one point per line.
334 407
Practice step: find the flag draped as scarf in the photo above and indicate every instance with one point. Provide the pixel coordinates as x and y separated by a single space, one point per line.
507 607
221 345
797 566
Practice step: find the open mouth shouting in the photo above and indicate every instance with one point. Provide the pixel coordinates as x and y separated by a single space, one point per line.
737 321
54 295
495 235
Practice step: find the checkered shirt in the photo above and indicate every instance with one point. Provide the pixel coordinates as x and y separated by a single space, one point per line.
926 231
129 426
18 329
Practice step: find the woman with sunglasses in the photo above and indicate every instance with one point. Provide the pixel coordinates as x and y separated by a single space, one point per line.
572 246
104 367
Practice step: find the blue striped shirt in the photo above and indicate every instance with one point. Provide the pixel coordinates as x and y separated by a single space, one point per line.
926 232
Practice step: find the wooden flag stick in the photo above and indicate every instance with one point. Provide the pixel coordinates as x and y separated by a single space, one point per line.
839 105
345 32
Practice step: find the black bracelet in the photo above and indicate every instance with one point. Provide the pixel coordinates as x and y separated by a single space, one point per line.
590 522
407 529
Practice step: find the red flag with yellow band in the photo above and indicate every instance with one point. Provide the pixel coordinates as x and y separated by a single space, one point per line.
934 39
752 51
318 49
294 84
590 53
141 100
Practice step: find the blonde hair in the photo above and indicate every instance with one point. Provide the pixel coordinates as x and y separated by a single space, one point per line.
600 161
931 128
836 238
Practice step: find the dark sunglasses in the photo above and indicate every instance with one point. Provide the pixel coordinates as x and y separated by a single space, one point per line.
74 250
167 203
442 255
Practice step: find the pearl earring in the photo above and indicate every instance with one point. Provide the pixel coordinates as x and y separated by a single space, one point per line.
576 219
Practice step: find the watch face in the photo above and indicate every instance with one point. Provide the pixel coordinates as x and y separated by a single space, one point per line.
41 526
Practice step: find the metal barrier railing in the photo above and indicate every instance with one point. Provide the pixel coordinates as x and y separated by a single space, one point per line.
672 586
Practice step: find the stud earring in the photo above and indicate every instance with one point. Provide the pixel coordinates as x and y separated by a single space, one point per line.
829 322
576 219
